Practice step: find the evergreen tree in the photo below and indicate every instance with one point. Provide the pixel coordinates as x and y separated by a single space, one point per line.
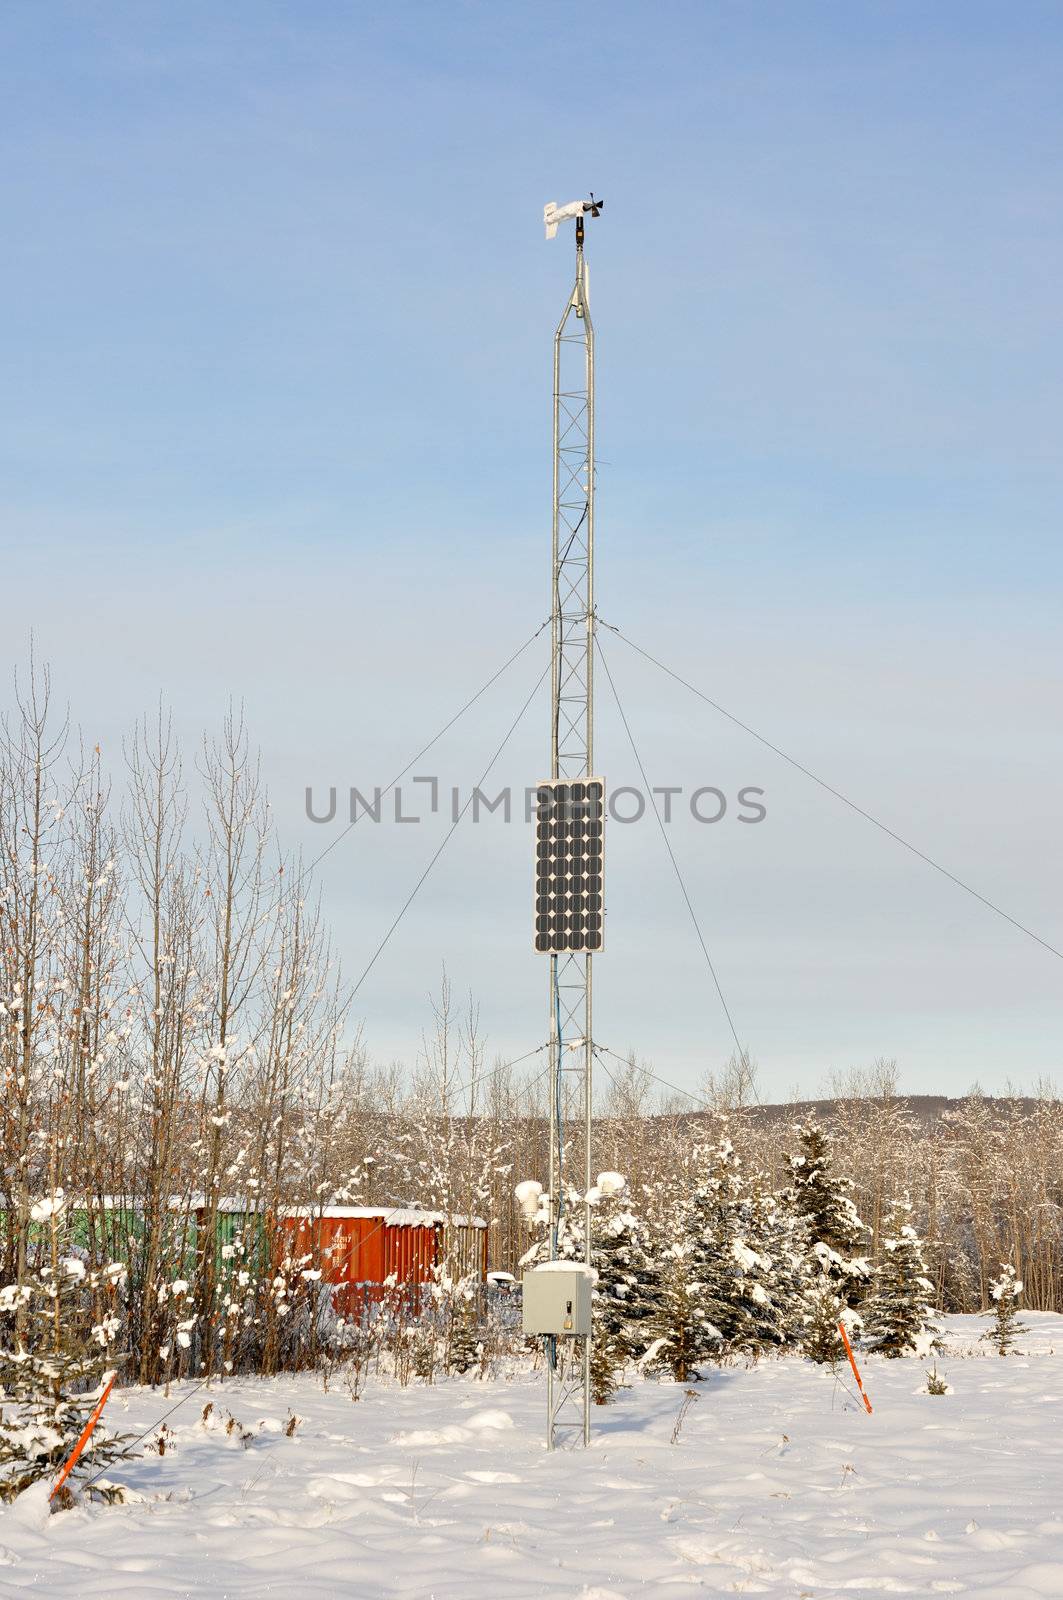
777 1280
837 1274
683 1334
1005 1292
732 1279
833 1232
898 1310
53 1363
822 1199
737 1269
626 1288
462 1325
824 1309
694 1313
716 1225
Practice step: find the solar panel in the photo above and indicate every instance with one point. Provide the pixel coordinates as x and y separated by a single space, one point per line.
569 823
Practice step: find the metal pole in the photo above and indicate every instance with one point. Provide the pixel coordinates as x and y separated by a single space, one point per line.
571 756
588 1034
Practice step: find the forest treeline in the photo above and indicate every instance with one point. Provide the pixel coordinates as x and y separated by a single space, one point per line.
175 1031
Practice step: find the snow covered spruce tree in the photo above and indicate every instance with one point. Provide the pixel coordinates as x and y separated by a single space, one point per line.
837 1274
717 1207
777 1292
1004 1293
683 1335
717 1253
731 1278
626 1287
54 1360
898 1311
684 1325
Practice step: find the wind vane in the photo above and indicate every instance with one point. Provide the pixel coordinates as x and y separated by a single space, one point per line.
553 213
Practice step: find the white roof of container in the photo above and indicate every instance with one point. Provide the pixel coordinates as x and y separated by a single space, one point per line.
240 1205
195 1201
395 1216
247 1205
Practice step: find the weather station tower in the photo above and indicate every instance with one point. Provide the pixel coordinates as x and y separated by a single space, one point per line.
569 900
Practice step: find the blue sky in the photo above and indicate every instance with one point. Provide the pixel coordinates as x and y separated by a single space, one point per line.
275 423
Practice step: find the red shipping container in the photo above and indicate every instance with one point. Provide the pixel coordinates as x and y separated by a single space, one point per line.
364 1250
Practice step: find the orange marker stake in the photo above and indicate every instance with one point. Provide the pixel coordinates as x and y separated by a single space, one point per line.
83 1441
852 1363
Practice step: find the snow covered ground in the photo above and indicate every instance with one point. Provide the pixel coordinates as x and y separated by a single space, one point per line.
779 1485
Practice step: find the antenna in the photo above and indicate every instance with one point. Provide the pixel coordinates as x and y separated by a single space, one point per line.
569 906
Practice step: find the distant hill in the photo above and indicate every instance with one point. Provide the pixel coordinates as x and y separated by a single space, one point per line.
926 1108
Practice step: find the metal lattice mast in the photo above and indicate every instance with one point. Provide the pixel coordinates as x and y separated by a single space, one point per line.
572 756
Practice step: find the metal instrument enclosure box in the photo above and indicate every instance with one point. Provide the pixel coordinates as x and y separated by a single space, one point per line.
557 1299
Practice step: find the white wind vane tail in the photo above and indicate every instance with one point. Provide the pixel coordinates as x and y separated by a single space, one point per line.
553 213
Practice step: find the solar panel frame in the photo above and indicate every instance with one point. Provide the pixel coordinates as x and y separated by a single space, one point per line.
569 860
